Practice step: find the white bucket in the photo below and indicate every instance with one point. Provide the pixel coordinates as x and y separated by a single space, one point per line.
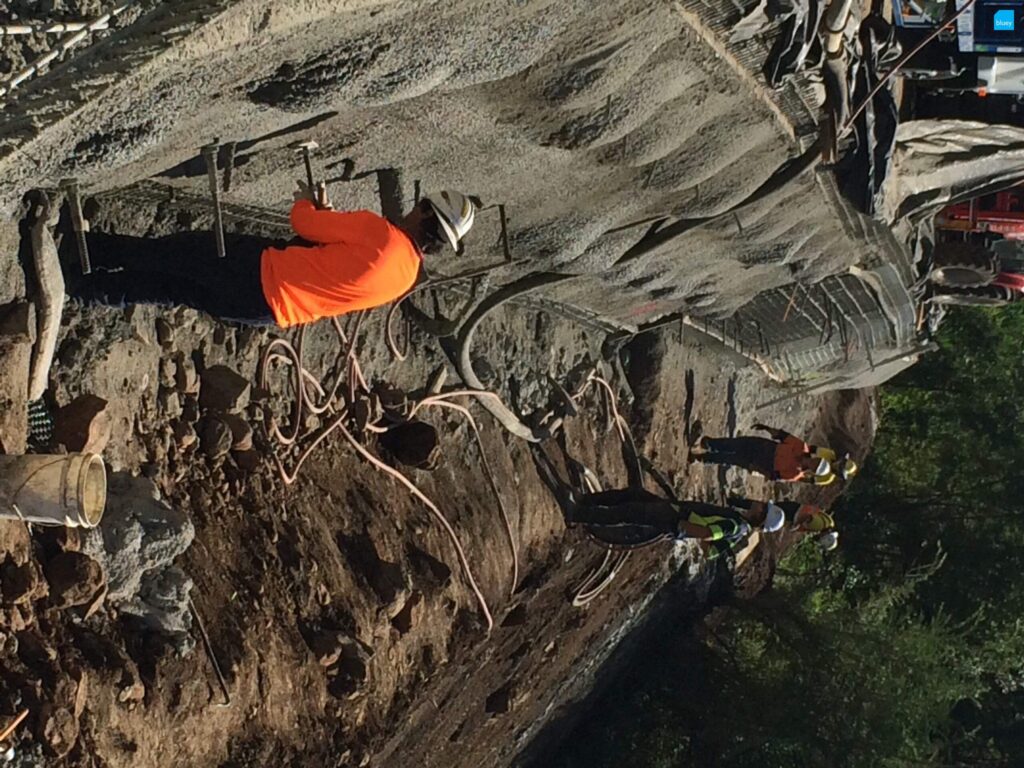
66 490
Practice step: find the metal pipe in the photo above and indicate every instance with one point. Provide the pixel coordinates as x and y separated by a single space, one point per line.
61 48
55 28
209 652
70 187
210 156
834 22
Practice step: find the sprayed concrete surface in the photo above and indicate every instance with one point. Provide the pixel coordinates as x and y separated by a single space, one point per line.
589 122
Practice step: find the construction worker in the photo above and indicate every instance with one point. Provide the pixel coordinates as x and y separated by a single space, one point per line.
344 261
843 466
819 523
783 457
637 507
804 518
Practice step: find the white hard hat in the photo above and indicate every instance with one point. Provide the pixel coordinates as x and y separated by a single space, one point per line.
828 541
774 519
849 467
824 468
455 214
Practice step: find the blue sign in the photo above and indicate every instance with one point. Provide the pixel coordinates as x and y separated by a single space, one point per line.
1003 21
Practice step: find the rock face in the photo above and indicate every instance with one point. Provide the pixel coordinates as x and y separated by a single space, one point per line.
136 543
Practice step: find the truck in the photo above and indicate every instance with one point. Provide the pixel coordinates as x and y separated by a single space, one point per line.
983 54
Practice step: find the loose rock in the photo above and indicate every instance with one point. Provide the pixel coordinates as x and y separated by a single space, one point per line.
215 437
164 333
83 425
184 435
74 579
58 729
186 380
169 402
18 323
241 432
327 647
167 370
223 389
21 583
190 409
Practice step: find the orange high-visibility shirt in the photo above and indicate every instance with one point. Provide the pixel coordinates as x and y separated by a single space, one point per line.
788 455
359 260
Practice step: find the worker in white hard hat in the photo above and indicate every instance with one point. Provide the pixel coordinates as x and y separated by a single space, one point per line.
342 262
636 508
828 540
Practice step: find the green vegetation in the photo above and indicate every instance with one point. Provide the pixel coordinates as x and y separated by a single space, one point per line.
906 648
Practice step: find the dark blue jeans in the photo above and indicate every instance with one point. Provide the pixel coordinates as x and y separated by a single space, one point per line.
754 453
177 270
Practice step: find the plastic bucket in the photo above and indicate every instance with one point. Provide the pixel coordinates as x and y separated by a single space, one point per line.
66 490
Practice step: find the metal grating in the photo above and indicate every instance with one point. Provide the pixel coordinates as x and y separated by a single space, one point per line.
802 332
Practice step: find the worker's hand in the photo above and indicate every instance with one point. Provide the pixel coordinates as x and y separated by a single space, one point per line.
316 195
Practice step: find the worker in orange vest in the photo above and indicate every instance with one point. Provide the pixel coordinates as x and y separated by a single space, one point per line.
342 262
783 457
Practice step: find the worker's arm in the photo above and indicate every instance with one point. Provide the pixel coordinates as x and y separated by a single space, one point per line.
322 226
713 532
776 434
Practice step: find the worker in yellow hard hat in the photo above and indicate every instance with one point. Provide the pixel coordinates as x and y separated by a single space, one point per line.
844 466
819 523
804 518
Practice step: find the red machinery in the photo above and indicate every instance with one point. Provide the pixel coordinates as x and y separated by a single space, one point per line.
1000 214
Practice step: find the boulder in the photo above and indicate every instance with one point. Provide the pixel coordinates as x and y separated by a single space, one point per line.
137 542
223 389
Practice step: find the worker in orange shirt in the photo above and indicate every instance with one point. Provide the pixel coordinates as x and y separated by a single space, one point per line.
783 457
342 262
